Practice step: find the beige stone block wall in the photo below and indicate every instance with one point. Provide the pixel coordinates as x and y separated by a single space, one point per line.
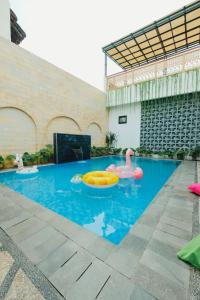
37 99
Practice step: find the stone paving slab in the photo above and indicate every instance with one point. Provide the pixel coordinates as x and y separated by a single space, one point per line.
19 278
158 285
68 274
81 265
166 268
40 245
24 230
141 294
117 288
181 224
58 258
124 261
167 251
24 215
89 285
173 230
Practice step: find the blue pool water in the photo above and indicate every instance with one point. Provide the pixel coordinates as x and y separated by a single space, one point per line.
109 213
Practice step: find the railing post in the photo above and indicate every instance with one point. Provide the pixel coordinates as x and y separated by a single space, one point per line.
105 73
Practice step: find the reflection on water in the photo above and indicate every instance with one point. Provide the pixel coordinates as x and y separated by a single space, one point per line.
99 226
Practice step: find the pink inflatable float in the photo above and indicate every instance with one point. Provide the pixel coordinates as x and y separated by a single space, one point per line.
126 171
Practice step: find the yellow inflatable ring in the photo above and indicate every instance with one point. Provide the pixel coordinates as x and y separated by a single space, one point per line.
100 179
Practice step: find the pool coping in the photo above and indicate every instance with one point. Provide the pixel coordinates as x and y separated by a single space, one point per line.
126 260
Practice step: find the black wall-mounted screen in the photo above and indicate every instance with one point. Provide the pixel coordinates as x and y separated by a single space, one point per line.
71 147
122 120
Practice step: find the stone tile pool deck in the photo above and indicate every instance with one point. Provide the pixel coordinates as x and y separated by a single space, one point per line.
45 256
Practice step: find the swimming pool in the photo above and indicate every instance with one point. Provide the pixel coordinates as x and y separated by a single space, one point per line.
109 213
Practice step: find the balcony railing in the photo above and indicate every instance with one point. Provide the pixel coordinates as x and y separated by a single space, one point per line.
180 63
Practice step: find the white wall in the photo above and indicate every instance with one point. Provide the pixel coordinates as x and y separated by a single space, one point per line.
128 134
5 19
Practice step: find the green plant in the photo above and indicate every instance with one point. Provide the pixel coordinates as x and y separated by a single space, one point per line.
195 152
45 155
102 151
10 157
9 161
148 152
30 159
1 162
116 150
170 153
141 150
124 151
111 139
181 154
156 152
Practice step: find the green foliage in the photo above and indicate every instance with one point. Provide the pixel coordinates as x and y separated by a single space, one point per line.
111 139
181 153
195 152
46 154
141 150
43 156
30 159
148 152
1 162
169 153
125 149
10 157
103 151
9 161
116 151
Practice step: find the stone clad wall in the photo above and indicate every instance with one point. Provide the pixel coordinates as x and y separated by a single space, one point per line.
38 99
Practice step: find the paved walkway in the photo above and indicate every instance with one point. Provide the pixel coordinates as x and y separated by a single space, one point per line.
45 256
19 278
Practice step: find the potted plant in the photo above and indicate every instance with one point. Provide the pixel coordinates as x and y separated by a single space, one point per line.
9 161
116 151
163 154
180 154
124 151
170 154
148 153
1 162
46 154
29 159
196 153
140 151
111 139
155 154
188 155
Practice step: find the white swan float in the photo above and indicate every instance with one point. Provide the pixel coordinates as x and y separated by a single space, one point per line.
24 170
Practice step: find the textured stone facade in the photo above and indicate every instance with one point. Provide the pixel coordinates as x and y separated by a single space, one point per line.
38 99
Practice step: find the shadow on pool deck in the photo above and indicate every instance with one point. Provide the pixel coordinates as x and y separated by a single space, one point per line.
55 258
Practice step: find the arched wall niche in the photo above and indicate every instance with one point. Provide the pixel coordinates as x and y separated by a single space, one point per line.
62 124
17 131
94 129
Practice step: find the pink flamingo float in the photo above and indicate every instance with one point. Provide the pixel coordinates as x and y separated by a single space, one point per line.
126 171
